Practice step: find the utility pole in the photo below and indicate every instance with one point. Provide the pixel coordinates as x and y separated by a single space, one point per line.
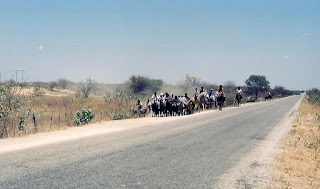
22 75
17 74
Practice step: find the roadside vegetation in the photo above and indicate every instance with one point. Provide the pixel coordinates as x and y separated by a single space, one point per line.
27 108
298 165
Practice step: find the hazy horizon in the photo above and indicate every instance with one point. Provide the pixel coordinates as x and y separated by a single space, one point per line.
112 40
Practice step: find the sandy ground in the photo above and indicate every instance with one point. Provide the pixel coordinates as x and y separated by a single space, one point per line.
55 92
255 169
297 165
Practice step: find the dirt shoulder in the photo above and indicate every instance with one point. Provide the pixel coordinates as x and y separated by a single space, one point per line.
298 163
254 169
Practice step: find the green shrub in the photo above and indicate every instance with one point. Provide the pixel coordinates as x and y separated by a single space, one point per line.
52 85
83 117
22 122
10 103
37 92
314 96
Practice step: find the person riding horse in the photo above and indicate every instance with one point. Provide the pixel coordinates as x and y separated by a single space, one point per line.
201 91
211 93
186 96
196 94
221 91
221 97
148 105
154 97
269 96
139 106
239 96
239 92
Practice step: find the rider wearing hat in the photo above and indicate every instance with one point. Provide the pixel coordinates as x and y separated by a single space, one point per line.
211 93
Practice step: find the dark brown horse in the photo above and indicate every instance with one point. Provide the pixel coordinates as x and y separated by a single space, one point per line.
238 98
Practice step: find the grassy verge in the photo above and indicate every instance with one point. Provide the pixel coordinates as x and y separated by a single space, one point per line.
298 164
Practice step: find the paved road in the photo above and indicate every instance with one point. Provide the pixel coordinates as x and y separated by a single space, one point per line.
188 152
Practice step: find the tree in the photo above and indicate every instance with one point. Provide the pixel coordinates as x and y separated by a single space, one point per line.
229 86
63 83
140 83
257 83
52 85
281 91
11 101
87 86
192 80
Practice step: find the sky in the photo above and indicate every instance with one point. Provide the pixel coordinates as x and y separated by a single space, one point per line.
111 40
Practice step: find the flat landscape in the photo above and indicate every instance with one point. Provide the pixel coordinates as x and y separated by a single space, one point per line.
196 151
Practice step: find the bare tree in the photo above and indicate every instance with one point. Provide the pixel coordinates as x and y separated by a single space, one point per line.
192 80
63 83
87 86
229 86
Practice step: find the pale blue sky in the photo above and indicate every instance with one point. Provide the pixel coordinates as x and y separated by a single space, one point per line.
111 40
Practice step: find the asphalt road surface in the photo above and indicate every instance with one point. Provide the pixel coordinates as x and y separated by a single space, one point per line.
186 152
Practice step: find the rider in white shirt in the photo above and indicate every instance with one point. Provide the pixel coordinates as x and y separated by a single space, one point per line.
155 97
239 91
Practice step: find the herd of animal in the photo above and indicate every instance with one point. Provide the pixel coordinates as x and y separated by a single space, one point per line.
170 105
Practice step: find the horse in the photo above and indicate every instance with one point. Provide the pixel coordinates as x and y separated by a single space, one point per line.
203 100
183 106
220 101
140 110
162 108
212 101
168 108
155 107
269 97
238 98
194 105
174 108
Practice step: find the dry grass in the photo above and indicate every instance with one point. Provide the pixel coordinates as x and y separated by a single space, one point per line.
56 111
297 166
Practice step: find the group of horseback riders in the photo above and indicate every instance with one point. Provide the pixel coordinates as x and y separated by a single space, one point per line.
165 104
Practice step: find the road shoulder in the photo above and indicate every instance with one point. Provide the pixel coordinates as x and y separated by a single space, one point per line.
254 170
297 165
